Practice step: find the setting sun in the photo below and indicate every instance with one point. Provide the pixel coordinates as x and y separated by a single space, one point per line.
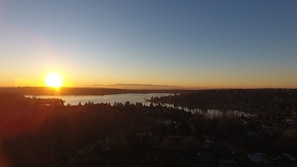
53 80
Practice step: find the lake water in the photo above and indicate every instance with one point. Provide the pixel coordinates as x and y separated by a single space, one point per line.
210 113
133 98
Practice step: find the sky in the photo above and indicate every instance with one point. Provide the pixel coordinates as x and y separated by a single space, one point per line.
190 44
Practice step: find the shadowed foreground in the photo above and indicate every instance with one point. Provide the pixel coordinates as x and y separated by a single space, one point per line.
45 132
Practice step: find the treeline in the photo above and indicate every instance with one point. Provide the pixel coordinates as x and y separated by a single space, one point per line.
45 132
247 100
86 135
75 91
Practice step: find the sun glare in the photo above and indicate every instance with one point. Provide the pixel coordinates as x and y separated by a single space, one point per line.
53 80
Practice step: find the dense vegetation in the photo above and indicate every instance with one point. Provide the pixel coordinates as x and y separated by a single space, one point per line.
44 132
76 91
248 100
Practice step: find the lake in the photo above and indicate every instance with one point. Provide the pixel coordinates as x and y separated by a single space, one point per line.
133 98
142 98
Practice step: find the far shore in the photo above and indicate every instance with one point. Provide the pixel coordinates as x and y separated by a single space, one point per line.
80 91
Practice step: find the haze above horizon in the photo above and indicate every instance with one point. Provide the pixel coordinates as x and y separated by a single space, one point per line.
189 44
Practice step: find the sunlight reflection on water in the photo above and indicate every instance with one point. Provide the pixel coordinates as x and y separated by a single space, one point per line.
208 113
134 98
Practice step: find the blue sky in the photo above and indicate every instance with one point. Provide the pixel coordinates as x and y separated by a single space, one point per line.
197 44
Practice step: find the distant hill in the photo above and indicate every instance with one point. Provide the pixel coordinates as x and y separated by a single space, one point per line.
144 86
78 91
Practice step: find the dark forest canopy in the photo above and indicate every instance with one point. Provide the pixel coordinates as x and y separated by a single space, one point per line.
107 91
75 91
248 100
44 132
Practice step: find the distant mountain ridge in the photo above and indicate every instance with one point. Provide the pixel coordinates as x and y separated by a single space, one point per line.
79 90
145 86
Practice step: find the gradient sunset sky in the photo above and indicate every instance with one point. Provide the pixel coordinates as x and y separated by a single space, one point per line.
192 44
